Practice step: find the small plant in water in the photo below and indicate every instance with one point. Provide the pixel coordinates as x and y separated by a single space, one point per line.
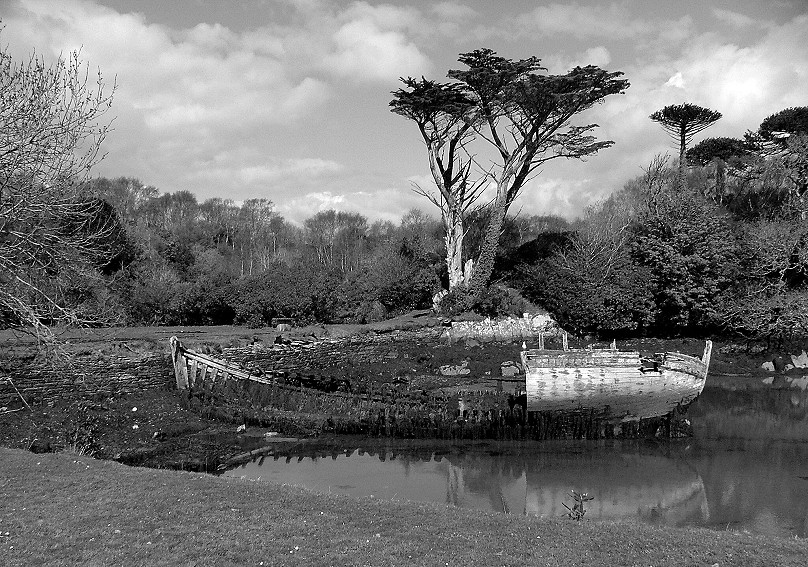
578 511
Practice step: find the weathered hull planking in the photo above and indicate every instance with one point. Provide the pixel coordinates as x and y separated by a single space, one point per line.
620 386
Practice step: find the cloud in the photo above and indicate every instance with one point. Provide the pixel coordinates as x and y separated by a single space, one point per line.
454 11
676 81
597 20
364 51
388 204
371 44
599 56
734 18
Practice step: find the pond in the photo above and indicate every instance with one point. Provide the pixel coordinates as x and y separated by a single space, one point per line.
746 468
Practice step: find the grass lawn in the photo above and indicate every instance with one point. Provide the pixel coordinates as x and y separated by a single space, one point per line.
63 509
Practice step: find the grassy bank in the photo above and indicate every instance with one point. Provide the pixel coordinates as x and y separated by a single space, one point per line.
62 509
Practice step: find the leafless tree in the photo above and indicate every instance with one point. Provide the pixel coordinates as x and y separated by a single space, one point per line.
52 231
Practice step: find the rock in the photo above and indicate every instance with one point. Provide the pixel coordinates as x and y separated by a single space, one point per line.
801 383
800 361
768 366
455 369
509 369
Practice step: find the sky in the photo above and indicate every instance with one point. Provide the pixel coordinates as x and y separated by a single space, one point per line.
288 99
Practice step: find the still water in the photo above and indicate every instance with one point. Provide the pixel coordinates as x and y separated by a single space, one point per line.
745 469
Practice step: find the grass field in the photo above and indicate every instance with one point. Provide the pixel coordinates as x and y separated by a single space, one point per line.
63 509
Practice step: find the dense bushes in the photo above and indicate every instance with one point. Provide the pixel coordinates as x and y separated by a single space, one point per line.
656 260
494 301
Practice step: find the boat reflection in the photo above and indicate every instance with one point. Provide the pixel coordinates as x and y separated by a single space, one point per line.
625 483
746 469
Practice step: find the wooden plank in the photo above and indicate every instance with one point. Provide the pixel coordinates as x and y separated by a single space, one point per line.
214 374
192 373
180 368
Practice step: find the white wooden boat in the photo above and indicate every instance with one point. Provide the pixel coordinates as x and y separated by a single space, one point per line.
617 385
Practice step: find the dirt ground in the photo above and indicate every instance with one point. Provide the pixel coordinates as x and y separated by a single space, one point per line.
157 429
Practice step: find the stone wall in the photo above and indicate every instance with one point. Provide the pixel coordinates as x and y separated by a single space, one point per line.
511 328
107 376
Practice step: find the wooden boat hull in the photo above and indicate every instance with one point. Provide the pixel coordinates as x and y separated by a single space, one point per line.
613 384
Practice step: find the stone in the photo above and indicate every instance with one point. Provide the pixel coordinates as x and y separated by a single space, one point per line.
509 369
769 365
800 361
455 369
801 383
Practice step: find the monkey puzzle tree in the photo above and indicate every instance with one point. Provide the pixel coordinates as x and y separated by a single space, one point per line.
682 122
51 229
444 115
525 116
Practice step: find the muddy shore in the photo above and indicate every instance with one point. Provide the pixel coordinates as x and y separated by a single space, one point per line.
157 429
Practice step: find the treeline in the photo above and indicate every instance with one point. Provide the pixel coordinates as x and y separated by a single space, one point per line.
722 251
181 262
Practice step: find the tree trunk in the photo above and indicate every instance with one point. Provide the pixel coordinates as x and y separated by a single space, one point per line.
720 180
682 160
488 251
454 251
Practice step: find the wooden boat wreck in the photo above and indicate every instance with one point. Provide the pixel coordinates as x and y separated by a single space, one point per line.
617 385
570 394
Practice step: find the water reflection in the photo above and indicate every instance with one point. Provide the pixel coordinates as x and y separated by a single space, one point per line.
746 469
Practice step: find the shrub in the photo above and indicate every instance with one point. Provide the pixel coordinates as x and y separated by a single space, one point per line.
494 301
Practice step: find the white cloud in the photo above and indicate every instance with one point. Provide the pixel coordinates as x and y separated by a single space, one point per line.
454 11
676 81
371 45
599 56
596 20
734 18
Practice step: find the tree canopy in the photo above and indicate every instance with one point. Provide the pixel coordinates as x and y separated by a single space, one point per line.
791 121
724 149
513 107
